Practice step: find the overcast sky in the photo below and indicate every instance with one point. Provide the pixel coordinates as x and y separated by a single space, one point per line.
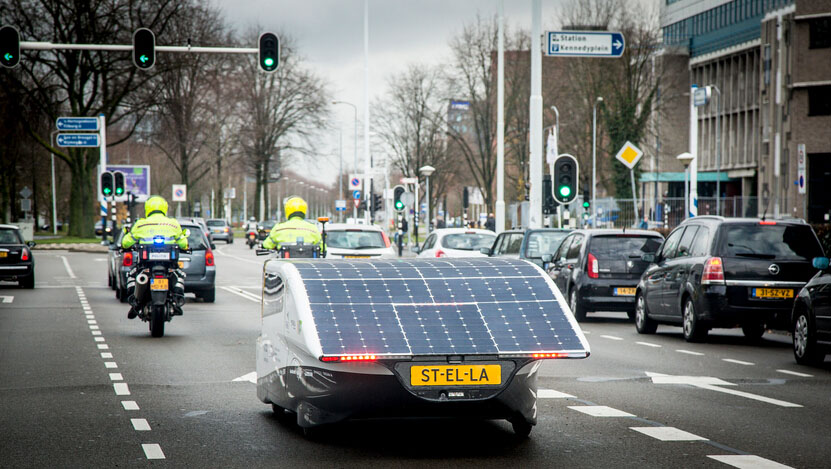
329 34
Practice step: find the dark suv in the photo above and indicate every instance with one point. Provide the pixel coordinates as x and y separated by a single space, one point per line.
598 270
726 272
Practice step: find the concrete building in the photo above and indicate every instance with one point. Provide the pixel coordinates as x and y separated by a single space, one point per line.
771 62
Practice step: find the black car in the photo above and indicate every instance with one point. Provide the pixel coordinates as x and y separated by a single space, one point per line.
528 244
598 270
727 272
98 227
16 260
264 228
811 317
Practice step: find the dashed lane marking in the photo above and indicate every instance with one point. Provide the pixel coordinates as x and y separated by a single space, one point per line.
600 411
129 405
98 339
552 394
7 299
106 355
250 377
796 373
668 434
690 352
647 344
152 451
737 362
103 346
110 365
611 337
140 425
748 461
116 377
121 389
242 293
96 332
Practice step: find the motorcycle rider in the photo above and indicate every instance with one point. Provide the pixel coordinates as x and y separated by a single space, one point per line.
155 223
294 227
251 226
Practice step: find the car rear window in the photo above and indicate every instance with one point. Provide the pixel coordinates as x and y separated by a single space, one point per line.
196 238
777 241
543 242
216 222
9 236
467 241
623 247
355 239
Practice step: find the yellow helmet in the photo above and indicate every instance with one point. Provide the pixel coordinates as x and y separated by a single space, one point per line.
296 206
155 204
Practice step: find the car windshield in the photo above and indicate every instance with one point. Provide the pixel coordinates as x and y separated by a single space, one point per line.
543 242
355 239
196 239
10 236
467 241
624 247
780 242
268 224
216 222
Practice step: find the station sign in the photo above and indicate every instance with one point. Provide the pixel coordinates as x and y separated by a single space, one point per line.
601 44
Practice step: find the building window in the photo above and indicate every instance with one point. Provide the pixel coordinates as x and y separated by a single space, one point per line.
820 33
819 101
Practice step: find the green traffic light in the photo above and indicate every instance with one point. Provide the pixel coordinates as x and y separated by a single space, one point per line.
107 191
565 191
399 205
268 62
8 56
586 204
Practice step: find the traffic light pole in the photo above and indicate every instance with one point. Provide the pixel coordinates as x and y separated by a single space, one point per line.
102 166
37 45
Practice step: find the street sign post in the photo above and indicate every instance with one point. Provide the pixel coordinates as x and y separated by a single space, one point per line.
355 182
340 205
356 194
701 96
180 192
629 155
800 168
79 140
78 123
409 180
584 44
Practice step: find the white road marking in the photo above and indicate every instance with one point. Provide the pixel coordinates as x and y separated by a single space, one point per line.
68 268
152 451
93 327
796 373
668 434
106 355
99 339
129 405
103 347
121 389
140 425
7 299
652 373
690 352
110 364
648 344
748 395
96 332
116 377
250 377
92 321
552 394
220 251
600 411
586 332
714 384
748 461
100 260
244 294
737 362
611 337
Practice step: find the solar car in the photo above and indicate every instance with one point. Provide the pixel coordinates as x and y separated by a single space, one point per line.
347 339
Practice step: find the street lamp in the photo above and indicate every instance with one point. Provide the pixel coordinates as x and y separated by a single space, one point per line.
427 171
686 158
718 150
594 161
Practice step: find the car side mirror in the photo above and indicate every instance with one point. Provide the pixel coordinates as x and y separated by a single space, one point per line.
31 244
485 251
546 258
648 257
821 263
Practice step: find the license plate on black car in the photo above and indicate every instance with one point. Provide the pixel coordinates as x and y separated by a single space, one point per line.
772 293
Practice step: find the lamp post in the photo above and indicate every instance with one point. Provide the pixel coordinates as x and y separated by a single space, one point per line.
686 158
594 161
355 150
718 150
427 171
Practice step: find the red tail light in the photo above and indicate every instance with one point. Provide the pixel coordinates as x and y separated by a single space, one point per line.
713 272
209 258
24 255
766 222
440 253
386 239
349 358
594 271
127 260
540 356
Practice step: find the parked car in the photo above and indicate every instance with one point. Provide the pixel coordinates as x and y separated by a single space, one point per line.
16 260
456 242
727 272
598 270
264 228
811 317
220 230
358 241
527 244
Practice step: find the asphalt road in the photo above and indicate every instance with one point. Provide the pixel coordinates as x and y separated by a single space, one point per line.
83 386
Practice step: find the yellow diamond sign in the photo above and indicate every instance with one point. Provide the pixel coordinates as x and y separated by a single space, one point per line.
629 155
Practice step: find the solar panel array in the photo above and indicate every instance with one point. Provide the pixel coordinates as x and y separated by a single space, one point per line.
435 307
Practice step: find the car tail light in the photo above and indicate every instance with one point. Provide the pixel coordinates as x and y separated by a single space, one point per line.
766 222
386 239
127 260
540 356
24 255
440 253
349 358
226 229
594 271
713 272
209 258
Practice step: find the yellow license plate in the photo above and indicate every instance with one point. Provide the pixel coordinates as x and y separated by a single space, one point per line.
456 375
356 257
158 284
624 291
181 264
773 293
4 254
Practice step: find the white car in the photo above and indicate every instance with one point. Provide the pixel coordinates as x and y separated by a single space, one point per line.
456 242
352 241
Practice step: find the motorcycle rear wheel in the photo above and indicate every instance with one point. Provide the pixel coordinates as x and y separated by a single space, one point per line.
157 320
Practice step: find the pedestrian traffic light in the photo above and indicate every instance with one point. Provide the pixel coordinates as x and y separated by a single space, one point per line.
377 202
565 179
107 184
144 48
269 52
118 183
586 200
549 205
397 193
9 46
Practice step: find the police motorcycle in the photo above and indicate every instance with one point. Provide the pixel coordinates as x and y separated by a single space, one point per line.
300 250
251 239
158 273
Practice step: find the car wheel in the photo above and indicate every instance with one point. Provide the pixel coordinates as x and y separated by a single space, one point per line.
694 331
28 282
521 427
208 296
753 332
643 323
805 348
578 311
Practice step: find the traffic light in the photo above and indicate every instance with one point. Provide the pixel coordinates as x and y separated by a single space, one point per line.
465 198
565 179
118 182
377 202
549 205
397 203
144 48
586 201
107 184
9 46
269 52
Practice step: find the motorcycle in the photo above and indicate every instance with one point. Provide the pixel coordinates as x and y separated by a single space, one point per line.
158 273
252 239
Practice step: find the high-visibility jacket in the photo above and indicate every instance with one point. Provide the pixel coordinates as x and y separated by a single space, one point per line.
290 230
155 225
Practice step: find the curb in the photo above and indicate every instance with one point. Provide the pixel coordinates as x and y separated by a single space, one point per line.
72 247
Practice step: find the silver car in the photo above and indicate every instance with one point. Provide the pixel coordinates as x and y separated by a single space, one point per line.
220 230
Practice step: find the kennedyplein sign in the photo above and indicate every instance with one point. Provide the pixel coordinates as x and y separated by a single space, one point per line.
584 44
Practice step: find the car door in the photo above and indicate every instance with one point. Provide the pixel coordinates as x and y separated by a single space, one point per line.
678 269
820 293
427 246
571 266
511 245
558 260
497 245
656 275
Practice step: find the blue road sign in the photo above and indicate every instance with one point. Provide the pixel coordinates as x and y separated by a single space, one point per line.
77 123
584 44
356 194
78 140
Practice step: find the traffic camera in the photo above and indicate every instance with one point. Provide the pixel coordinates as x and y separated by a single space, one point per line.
269 52
397 193
565 179
118 183
9 46
107 184
144 48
